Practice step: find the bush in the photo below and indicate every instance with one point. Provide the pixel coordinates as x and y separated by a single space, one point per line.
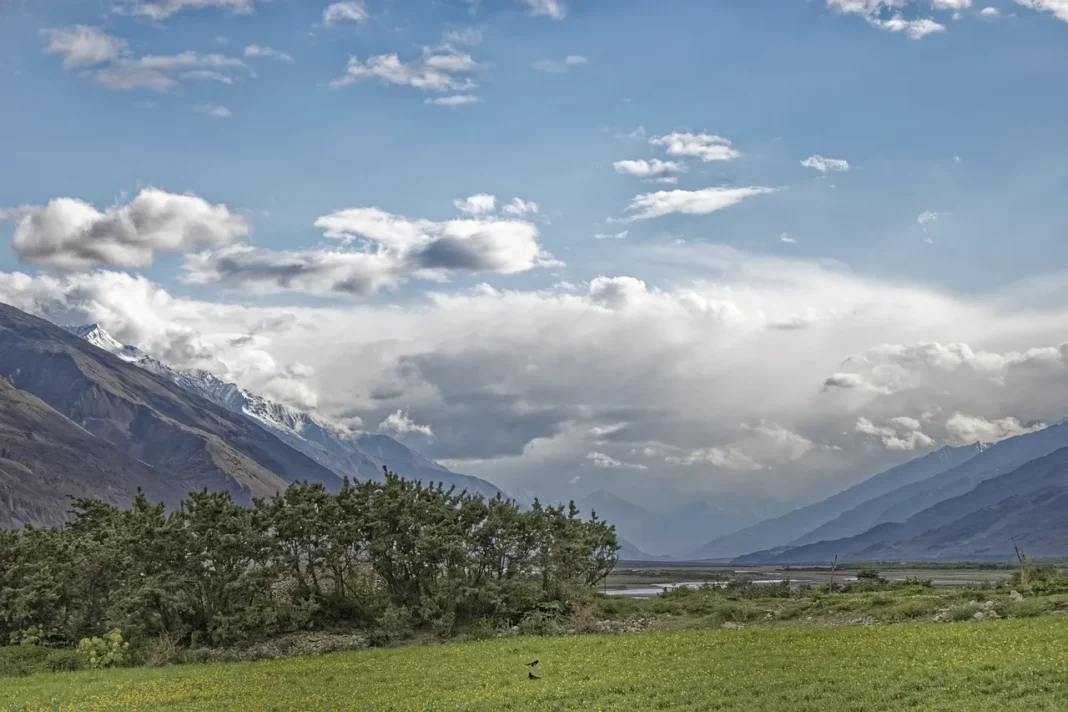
102 652
912 608
539 622
17 660
394 625
160 651
963 612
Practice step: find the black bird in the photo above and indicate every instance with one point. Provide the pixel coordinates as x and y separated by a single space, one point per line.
532 676
532 664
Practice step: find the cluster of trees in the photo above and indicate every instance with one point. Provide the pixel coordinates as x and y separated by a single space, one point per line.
211 572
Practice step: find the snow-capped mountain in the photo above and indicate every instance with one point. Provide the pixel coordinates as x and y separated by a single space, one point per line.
347 452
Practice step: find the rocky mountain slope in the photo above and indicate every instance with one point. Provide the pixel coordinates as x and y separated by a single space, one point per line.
343 451
187 440
46 459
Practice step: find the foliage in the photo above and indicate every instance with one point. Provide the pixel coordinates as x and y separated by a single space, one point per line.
389 557
1001 666
105 651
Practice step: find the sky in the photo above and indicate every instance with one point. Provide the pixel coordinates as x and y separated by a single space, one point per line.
734 250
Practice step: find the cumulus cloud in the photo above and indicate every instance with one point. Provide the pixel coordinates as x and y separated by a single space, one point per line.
560 66
351 11
607 462
928 216
378 250
886 14
254 51
654 170
788 238
677 353
690 202
1058 8
479 204
401 423
900 433
969 429
111 64
71 234
707 147
84 46
440 69
826 165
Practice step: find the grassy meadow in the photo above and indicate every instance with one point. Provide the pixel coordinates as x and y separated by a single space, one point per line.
1019 664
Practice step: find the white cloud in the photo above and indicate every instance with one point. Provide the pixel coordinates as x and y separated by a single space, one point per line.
788 238
556 66
162 9
115 67
967 429
654 170
990 12
826 165
352 11
257 51
207 75
479 204
915 29
518 206
927 216
556 9
612 235
606 462
72 234
1058 8
378 250
767 445
680 350
707 147
901 433
440 69
215 111
84 46
453 100
690 202
401 423
886 15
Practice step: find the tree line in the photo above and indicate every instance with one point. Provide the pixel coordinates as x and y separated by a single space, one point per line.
377 555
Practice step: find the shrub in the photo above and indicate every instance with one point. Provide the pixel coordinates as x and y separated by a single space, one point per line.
17 660
962 612
106 651
539 622
393 625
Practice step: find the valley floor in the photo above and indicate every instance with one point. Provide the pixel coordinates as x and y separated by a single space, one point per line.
992 665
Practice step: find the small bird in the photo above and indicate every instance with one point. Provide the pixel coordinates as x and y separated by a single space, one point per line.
532 676
532 664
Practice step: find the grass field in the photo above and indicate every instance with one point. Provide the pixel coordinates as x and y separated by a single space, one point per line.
994 665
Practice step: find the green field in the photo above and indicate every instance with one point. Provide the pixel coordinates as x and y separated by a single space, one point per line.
994 665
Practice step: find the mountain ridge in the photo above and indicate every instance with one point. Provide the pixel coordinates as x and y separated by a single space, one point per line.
343 451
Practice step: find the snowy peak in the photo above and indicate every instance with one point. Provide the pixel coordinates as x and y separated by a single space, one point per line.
100 338
345 452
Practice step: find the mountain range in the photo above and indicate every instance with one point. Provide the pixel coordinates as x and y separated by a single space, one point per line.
970 503
83 415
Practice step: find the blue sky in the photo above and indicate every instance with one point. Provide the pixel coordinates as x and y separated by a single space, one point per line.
964 124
